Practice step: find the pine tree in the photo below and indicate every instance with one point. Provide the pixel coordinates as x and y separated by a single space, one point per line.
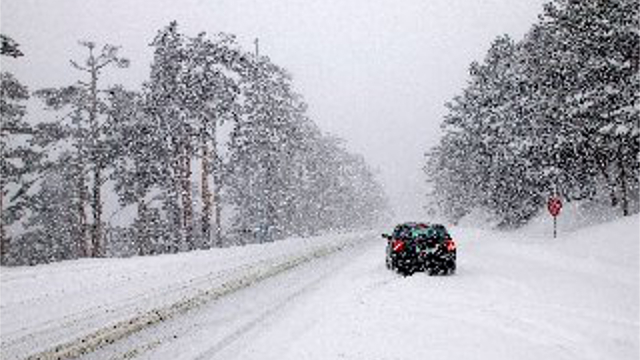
213 99
139 167
53 224
263 142
88 136
17 158
546 116
582 59
9 47
192 91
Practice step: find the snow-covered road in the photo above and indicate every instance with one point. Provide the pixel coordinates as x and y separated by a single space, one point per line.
512 298
515 296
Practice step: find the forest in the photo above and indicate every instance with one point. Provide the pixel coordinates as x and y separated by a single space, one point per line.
554 114
215 149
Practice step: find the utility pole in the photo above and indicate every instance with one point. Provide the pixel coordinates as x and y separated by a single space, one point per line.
266 223
256 42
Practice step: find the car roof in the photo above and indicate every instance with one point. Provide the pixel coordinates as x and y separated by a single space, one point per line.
414 224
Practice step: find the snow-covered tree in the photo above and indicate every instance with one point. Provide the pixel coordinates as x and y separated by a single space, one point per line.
592 77
284 176
192 91
546 115
275 172
484 158
17 158
85 102
9 47
262 144
53 223
139 168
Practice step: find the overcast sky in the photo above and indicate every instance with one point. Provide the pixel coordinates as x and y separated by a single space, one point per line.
374 72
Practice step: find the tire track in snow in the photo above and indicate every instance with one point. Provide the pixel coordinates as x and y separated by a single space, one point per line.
64 322
220 336
252 273
247 327
224 348
114 313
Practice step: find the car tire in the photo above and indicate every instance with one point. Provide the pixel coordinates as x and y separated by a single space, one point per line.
405 271
452 267
433 270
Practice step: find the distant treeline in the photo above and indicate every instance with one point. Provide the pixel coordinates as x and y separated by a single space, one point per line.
556 113
215 133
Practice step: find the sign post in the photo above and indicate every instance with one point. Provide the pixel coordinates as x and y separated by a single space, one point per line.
554 205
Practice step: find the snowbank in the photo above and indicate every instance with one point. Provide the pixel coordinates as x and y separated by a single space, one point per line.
479 218
575 215
86 303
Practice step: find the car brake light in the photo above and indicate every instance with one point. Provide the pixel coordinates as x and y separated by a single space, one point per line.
398 245
451 245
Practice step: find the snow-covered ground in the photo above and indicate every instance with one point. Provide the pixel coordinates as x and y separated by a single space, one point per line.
97 300
516 295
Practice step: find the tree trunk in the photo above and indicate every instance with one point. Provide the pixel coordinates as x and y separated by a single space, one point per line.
611 185
83 241
612 189
217 230
96 205
96 235
173 201
143 228
623 182
187 206
4 240
206 194
217 185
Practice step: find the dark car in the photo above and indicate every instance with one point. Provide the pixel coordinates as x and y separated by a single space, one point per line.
420 247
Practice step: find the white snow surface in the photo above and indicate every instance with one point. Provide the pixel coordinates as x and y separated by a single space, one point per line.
47 305
516 295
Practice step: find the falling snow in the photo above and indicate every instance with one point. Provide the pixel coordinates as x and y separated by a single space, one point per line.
252 232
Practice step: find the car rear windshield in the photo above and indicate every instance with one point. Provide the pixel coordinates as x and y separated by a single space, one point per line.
441 230
438 232
402 231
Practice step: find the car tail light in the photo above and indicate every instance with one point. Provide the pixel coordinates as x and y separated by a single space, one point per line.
397 245
451 245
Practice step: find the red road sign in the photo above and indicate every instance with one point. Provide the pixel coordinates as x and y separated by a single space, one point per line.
554 206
